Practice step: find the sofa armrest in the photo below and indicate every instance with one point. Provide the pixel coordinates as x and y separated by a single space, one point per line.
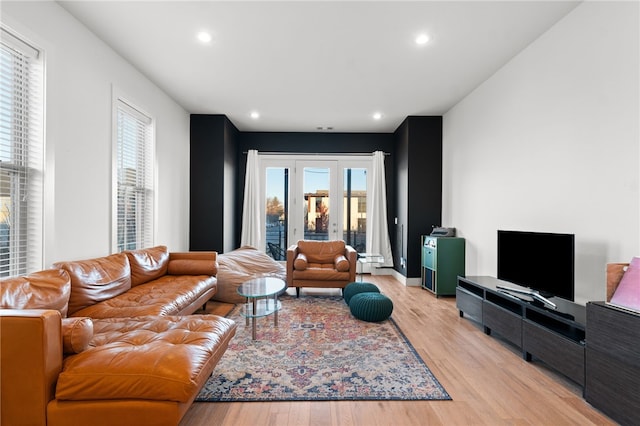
194 255
292 253
352 256
193 263
31 358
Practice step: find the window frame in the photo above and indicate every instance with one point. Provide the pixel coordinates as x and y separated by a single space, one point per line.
120 101
26 236
295 163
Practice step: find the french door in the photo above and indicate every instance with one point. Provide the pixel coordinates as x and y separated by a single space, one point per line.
314 199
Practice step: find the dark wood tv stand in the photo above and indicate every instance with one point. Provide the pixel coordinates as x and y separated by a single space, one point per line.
556 337
613 362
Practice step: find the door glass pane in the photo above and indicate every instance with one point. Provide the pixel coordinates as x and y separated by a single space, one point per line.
277 212
316 181
355 208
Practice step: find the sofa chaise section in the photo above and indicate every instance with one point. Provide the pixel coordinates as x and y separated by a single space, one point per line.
134 361
145 370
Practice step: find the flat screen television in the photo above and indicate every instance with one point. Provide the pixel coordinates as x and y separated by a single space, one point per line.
542 262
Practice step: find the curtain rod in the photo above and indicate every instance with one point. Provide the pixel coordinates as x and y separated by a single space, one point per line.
362 154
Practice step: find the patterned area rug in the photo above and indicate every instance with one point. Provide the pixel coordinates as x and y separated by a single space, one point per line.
319 352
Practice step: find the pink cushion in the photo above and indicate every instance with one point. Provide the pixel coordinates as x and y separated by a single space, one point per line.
628 292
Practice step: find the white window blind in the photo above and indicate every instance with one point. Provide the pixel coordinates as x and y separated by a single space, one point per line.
135 175
21 159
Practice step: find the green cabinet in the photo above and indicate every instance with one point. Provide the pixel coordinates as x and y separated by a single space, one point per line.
442 262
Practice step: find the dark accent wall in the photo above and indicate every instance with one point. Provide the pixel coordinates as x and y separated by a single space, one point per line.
418 142
401 216
232 220
212 183
413 177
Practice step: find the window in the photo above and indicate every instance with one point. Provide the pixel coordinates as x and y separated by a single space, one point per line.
21 159
134 205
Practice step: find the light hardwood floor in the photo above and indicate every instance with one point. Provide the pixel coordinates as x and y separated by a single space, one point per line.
488 380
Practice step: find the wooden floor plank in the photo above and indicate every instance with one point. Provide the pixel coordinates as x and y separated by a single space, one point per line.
487 378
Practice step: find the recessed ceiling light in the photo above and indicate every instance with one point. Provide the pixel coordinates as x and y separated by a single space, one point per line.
255 115
422 39
204 36
377 115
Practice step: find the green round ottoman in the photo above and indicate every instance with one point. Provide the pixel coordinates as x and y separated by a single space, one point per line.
371 307
352 289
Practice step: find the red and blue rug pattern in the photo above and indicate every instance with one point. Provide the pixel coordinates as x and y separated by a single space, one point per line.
320 352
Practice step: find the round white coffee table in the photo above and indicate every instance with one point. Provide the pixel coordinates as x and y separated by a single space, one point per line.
262 300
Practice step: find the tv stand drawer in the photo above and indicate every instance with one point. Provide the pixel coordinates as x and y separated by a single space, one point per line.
502 321
565 355
469 303
613 362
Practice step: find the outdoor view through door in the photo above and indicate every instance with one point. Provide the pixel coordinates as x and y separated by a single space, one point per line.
317 203
302 201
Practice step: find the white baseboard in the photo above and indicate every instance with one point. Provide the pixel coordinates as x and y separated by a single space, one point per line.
409 282
413 282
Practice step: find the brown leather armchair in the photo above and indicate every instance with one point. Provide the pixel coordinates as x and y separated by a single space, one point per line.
324 264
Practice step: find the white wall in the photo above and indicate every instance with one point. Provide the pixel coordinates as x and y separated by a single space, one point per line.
551 143
80 73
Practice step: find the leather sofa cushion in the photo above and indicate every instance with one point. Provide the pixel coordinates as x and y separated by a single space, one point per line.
192 267
95 280
76 334
147 358
48 289
321 272
301 263
321 251
341 263
147 264
194 255
167 295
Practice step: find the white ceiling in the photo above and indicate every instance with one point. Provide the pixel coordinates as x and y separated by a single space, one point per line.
304 64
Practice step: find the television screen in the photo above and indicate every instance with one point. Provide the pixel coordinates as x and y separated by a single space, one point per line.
539 261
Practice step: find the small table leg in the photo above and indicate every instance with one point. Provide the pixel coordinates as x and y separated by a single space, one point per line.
253 319
275 314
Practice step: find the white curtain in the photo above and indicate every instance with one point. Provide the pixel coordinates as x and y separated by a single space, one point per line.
251 235
378 241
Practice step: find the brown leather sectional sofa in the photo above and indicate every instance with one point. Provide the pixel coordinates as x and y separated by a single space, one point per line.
109 340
